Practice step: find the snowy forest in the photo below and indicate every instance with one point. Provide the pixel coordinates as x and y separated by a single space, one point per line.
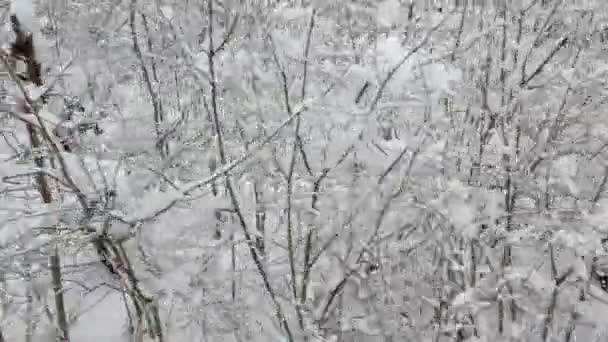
303 170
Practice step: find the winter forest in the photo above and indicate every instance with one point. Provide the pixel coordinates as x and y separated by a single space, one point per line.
303 170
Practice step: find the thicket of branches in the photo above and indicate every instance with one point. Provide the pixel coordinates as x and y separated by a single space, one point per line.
303 171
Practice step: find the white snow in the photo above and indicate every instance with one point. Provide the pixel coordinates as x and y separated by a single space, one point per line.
24 9
416 73
389 13
167 11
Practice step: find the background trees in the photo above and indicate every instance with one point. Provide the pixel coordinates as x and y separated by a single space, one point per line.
300 170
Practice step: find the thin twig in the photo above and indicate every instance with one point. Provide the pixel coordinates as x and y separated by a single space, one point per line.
233 198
